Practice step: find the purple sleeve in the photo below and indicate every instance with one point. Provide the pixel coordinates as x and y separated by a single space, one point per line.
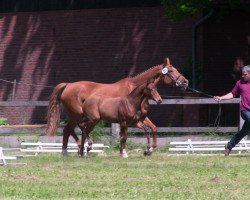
235 90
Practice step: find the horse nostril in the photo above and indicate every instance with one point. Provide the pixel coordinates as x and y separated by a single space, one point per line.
185 83
159 101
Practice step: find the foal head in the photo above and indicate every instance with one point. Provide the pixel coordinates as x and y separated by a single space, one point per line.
172 75
151 92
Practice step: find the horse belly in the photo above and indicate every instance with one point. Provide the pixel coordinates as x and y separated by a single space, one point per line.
109 111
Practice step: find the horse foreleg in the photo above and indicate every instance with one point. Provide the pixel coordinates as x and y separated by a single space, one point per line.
123 139
147 122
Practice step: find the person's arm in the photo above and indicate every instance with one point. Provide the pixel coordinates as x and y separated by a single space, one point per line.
225 97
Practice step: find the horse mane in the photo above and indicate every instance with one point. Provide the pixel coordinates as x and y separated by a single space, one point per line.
146 71
145 75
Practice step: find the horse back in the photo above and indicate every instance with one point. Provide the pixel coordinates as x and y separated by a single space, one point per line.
83 89
75 94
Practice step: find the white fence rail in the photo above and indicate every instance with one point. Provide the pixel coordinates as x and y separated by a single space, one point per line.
206 147
6 129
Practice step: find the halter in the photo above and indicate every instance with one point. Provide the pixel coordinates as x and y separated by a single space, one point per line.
168 73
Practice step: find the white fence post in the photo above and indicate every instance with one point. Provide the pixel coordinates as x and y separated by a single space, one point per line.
2 156
115 131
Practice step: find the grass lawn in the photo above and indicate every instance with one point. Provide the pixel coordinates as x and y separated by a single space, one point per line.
52 176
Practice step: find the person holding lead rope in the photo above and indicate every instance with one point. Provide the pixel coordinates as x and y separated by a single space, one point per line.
242 89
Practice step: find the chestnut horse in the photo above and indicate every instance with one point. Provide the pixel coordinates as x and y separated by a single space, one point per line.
73 95
125 110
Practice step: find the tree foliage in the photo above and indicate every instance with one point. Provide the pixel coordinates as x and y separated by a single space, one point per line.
181 9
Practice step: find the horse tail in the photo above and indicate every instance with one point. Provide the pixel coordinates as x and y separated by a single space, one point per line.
53 113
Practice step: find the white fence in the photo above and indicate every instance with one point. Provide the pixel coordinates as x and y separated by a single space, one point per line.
113 129
206 147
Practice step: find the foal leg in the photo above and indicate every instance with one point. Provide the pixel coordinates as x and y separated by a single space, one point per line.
140 125
147 122
145 128
86 129
82 126
123 139
84 136
68 130
90 141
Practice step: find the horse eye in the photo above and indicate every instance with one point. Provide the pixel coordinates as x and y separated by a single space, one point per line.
171 69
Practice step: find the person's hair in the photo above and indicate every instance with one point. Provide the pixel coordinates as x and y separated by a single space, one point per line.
246 68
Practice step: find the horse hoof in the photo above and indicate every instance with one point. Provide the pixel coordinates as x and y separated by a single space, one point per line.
89 148
124 155
79 153
64 152
147 153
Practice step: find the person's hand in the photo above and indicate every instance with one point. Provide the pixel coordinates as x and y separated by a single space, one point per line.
217 98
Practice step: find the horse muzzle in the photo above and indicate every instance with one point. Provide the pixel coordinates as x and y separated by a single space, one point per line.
183 84
159 101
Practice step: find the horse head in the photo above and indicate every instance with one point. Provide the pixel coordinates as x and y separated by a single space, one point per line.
151 91
172 75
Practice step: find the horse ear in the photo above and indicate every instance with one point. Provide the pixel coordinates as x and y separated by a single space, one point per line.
167 61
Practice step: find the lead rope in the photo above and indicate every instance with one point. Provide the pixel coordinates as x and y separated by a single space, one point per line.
217 119
200 92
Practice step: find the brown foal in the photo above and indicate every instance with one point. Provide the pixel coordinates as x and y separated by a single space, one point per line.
124 110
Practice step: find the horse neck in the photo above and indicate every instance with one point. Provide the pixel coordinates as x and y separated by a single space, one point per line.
146 75
137 96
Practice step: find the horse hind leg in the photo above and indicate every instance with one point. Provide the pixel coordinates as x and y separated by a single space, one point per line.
68 130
